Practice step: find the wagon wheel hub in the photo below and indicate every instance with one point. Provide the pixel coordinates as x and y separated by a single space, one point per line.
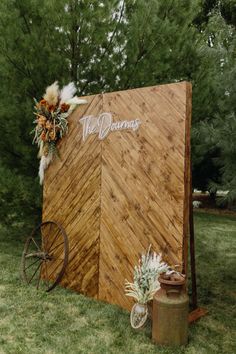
41 255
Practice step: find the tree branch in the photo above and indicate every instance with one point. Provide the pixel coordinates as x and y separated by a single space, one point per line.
114 32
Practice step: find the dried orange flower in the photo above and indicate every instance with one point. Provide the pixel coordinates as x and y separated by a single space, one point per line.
52 135
51 108
43 102
43 136
48 125
41 120
64 107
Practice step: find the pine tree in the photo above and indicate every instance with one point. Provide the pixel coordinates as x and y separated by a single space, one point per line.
58 40
106 45
223 129
213 134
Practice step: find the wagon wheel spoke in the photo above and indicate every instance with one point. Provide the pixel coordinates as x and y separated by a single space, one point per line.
37 268
29 266
50 228
38 281
39 249
48 243
56 247
43 244
54 239
48 279
45 238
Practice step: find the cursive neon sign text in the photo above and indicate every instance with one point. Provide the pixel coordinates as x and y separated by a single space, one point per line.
104 124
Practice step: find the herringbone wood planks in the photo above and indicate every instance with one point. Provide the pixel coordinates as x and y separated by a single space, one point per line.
72 197
117 196
143 185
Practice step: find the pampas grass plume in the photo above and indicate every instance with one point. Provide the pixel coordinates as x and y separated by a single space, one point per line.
67 92
52 93
76 100
44 163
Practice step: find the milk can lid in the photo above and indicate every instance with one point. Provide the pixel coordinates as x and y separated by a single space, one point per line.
172 278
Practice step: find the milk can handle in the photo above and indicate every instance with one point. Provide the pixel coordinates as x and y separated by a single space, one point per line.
173 291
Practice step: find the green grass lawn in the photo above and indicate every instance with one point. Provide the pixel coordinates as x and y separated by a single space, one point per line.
64 322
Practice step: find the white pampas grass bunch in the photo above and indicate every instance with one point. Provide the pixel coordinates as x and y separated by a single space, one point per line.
67 93
146 274
67 97
43 165
73 102
76 100
52 93
154 262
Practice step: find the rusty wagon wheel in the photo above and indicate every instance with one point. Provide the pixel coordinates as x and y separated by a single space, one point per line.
45 256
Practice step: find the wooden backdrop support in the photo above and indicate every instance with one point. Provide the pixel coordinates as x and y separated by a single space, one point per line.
192 249
197 312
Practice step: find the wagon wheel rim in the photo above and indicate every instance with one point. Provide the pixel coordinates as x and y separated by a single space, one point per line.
45 256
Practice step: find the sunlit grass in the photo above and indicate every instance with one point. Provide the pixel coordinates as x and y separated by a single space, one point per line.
65 322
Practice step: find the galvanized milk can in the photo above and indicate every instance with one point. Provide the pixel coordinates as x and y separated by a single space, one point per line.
170 311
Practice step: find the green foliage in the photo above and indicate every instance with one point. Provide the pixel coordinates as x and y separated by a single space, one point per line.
20 199
106 45
213 107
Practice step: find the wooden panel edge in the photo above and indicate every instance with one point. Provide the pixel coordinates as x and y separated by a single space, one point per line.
100 222
187 173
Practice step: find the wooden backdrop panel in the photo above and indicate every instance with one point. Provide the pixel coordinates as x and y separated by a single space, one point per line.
143 184
117 196
72 198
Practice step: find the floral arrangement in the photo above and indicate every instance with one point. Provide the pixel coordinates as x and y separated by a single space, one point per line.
146 274
51 122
